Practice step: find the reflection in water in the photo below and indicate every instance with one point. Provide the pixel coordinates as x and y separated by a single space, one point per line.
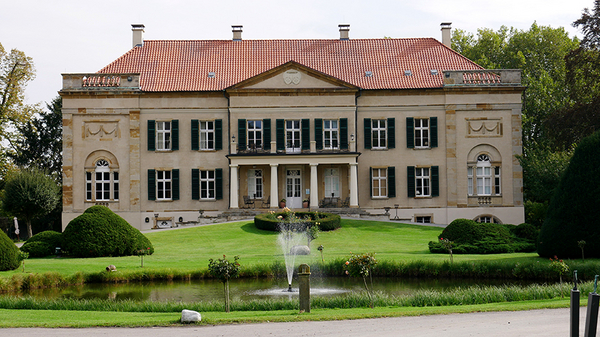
248 289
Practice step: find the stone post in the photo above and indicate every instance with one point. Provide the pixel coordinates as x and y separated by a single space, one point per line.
304 287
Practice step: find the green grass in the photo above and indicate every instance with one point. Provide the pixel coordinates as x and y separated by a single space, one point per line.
188 249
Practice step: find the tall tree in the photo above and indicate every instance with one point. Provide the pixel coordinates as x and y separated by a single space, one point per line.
40 143
29 194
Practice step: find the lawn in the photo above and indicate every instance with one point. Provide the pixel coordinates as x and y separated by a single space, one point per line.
190 248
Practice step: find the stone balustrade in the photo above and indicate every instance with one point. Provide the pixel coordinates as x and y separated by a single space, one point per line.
498 77
100 81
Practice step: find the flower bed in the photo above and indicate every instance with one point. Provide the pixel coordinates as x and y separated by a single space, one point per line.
326 221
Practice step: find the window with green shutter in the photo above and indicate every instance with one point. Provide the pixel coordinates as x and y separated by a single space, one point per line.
219 134
267 133
151 184
241 134
344 133
195 184
319 133
280 134
367 135
433 121
391 133
410 132
410 181
174 135
435 181
175 181
305 124
219 183
195 138
391 172
151 135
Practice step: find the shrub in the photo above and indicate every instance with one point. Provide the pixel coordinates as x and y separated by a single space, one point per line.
9 253
327 221
42 244
526 231
100 232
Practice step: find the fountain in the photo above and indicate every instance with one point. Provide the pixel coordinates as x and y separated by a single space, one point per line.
291 232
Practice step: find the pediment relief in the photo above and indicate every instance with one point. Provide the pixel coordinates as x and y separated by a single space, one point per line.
101 130
484 127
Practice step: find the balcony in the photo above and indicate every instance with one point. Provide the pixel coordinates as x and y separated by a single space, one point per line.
497 77
97 81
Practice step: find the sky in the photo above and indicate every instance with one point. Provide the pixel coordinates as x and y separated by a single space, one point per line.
79 36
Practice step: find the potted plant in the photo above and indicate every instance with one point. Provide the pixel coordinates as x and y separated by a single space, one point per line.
305 203
282 203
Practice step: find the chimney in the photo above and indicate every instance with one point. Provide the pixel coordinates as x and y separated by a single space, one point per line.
138 35
237 32
344 29
446 34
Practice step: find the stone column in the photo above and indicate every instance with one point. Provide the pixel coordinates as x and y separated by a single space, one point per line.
233 187
314 186
274 187
353 184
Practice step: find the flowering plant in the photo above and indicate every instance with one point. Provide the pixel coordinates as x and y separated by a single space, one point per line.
141 253
447 244
223 269
362 265
559 266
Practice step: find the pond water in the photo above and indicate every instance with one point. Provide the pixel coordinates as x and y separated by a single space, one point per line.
248 289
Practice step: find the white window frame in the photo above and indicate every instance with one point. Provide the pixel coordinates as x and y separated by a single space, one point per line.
331 134
206 131
164 185
379 133
163 135
254 130
207 185
331 177
115 184
255 183
102 183
293 142
422 182
379 180
421 127
470 180
483 178
423 219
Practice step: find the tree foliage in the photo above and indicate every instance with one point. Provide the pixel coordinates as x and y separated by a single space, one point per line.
40 141
574 210
29 194
9 253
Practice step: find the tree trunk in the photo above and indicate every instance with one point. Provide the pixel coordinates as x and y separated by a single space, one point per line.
29 232
226 295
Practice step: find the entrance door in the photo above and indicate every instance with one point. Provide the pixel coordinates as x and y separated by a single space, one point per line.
332 183
293 188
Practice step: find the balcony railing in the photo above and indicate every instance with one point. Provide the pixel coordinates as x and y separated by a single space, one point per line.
498 77
100 81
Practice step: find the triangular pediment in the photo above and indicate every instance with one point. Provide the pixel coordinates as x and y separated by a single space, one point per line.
292 76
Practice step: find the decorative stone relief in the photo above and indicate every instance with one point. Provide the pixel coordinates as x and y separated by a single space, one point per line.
292 77
483 127
101 130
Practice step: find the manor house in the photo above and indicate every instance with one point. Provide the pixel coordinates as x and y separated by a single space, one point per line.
405 126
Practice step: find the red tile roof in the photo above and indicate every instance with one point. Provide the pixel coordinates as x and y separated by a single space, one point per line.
184 65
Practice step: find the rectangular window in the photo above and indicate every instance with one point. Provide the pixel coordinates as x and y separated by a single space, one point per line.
332 182
207 185
292 136
484 180
378 131
422 182
207 135
164 185
421 133
423 219
470 181
255 184
379 182
330 134
88 186
116 185
102 186
254 134
163 136
497 190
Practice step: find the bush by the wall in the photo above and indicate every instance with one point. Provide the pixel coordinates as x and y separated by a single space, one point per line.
9 253
42 244
101 232
327 221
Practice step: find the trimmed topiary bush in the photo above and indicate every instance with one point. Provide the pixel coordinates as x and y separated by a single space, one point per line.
9 253
101 232
327 221
42 244
574 211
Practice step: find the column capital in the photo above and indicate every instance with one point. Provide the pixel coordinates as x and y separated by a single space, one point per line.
353 164
274 165
233 165
314 164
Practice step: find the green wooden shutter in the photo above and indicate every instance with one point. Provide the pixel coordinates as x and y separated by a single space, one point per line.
410 132
367 134
151 184
435 181
195 184
241 134
371 182
391 171
151 135
410 181
175 184
305 125
391 133
195 135
219 184
218 134
174 135
344 133
433 125
267 133
319 133
280 136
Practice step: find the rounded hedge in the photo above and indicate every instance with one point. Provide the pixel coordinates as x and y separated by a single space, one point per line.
42 244
100 232
574 212
9 253
327 221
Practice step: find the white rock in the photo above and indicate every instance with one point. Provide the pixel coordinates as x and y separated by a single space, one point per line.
300 250
188 316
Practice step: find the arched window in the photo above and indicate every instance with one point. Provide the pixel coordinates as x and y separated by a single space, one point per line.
483 178
487 219
102 182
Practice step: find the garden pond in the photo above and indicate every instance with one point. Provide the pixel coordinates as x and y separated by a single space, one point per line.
249 289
